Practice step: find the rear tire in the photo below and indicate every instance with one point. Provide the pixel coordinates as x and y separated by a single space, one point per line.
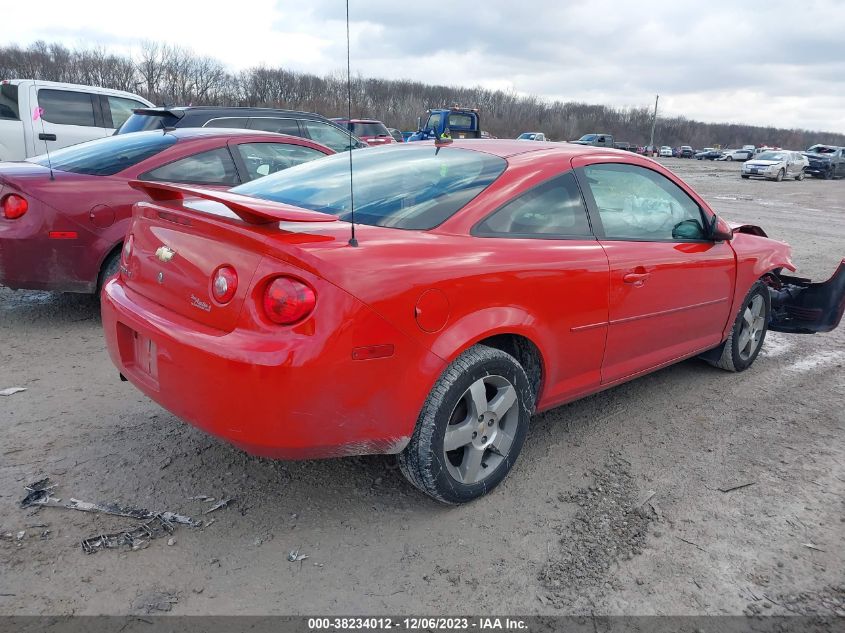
748 331
480 407
745 177
800 176
110 268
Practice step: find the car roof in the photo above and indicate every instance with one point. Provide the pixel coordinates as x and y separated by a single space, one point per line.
345 120
505 148
212 132
221 111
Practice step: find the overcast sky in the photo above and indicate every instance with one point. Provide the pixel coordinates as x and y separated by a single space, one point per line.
766 63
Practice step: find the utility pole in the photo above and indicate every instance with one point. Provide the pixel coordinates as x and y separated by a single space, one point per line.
653 123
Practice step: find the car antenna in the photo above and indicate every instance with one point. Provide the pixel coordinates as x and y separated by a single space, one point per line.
38 114
352 240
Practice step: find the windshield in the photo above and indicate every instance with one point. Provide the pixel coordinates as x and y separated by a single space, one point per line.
107 156
401 186
771 156
528 136
144 122
822 149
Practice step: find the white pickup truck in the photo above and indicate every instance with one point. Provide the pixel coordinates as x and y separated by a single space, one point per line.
39 116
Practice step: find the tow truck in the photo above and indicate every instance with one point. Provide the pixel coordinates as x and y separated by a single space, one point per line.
461 123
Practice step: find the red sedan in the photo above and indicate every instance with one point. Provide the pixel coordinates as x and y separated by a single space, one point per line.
62 228
503 280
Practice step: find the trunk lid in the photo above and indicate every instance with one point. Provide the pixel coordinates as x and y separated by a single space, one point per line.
178 244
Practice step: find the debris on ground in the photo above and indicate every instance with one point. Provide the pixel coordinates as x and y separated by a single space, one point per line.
610 525
8 391
220 504
295 556
135 539
732 487
826 604
812 546
39 495
155 601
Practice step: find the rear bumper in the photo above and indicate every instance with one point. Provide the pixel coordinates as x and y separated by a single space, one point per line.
295 393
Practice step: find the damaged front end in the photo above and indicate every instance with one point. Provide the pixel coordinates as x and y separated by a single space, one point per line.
800 306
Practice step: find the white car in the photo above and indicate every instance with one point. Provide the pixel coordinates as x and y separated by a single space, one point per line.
41 116
531 136
735 154
776 165
666 151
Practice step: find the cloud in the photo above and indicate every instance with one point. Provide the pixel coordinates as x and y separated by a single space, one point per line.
720 61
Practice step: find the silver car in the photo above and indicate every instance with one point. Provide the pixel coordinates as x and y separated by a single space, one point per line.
776 165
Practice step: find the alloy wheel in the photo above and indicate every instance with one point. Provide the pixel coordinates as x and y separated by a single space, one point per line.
481 429
753 324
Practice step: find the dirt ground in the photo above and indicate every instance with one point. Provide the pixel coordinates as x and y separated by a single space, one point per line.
574 529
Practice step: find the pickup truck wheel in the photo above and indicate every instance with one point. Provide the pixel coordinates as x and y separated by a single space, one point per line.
779 177
748 332
471 428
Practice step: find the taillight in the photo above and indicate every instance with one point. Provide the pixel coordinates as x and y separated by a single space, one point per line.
224 283
126 252
14 206
288 300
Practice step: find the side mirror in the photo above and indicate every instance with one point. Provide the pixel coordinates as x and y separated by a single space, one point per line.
688 230
720 231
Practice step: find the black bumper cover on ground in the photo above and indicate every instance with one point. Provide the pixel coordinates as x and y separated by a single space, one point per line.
800 306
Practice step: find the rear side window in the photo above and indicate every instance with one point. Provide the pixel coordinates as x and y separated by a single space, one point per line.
368 129
214 167
262 159
121 109
107 156
407 186
228 122
280 126
9 102
329 135
66 107
552 209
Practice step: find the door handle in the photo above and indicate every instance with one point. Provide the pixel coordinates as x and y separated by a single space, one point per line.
46 137
636 277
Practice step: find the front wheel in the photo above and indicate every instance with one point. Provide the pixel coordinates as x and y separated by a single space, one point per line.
800 175
779 177
828 175
748 332
471 428
729 158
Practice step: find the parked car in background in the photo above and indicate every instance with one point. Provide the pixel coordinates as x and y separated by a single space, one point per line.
239 325
44 116
371 131
708 153
65 231
735 154
775 165
826 161
665 152
396 134
531 136
304 124
686 151
596 140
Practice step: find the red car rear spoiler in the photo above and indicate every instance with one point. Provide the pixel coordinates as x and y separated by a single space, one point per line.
249 209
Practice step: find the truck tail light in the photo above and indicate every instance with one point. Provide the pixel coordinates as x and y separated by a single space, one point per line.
288 300
224 283
14 206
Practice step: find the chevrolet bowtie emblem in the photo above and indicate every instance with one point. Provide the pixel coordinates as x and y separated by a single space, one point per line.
164 254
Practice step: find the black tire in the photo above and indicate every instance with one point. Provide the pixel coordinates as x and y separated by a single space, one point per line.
426 464
828 175
735 356
800 176
110 267
730 158
744 177
779 177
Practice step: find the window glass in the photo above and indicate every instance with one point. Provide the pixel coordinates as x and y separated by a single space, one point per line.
638 203
407 186
121 109
262 159
145 122
460 120
433 122
368 129
280 126
214 167
329 135
228 122
554 208
66 107
107 156
9 102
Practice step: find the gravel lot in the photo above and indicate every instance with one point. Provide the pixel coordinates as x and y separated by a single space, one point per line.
574 529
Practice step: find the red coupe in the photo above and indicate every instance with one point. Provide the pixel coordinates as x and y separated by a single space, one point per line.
62 228
488 280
